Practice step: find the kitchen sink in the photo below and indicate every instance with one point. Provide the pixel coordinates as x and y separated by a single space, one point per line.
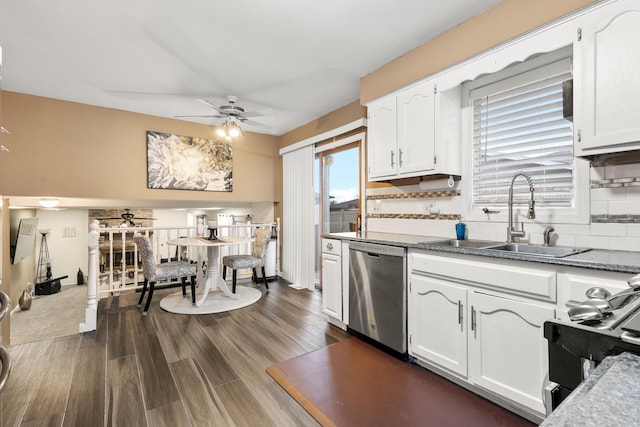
462 243
540 250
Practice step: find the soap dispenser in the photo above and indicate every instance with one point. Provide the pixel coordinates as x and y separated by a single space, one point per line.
461 230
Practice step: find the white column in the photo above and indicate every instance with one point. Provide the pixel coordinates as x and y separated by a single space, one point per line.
91 311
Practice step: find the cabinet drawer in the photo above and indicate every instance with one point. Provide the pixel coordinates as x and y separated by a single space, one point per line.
505 277
331 246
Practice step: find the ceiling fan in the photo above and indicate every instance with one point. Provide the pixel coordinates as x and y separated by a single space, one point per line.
231 112
127 219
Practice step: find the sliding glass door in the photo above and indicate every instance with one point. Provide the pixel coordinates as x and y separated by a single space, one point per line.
337 187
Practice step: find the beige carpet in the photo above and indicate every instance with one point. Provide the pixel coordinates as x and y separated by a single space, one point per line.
50 316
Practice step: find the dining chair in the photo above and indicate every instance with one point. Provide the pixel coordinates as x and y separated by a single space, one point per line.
253 261
154 273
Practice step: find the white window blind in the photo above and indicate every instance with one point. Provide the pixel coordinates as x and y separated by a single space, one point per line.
298 226
518 126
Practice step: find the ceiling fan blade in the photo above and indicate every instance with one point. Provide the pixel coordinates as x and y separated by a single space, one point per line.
206 116
254 123
209 104
258 113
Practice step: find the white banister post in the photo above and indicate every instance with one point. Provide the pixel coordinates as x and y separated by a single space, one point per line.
278 246
91 311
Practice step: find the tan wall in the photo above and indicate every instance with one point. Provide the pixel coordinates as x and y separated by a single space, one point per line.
67 149
328 122
506 20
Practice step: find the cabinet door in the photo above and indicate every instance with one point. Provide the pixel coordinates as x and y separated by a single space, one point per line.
437 323
507 350
607 63
382 138
416 129
332 285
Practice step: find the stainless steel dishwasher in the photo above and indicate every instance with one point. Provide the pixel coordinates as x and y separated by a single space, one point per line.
377 293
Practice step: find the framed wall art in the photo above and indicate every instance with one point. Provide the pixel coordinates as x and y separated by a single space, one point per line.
179 162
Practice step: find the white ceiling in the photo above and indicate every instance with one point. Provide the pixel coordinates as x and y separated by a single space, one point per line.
298 59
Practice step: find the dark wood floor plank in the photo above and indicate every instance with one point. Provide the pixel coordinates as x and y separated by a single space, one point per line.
170 329
157 383
85 406
119 335
23 382
50 421
243 408
201 402
56 373
125 404
169 415
194 343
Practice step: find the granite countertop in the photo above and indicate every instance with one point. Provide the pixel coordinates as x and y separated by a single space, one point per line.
610 396
597 259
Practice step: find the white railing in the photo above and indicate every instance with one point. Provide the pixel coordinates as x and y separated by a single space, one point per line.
114 265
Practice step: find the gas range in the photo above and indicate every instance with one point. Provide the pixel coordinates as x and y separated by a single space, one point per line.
577 346
626 303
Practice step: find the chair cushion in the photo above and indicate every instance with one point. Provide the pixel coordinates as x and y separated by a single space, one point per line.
236 262
174 270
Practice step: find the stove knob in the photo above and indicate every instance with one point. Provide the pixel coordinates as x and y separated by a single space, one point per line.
597 292
634 281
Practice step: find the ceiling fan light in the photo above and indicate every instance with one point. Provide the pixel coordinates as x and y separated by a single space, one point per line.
49 202
234 131
229 130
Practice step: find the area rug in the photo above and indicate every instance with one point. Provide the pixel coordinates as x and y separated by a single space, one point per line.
50 316
352 383
216 302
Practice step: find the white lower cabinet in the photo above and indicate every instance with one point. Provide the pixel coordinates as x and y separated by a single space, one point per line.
332 285
335 284
437 323
463 325
507 349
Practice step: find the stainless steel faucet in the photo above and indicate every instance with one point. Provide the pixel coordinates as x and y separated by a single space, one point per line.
531 214
547 235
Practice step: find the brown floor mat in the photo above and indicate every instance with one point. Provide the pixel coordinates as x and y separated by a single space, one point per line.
352 383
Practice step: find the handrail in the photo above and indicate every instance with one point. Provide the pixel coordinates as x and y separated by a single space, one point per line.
6 367
5 305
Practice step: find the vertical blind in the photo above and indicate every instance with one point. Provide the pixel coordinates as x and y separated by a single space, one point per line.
298 211
518 125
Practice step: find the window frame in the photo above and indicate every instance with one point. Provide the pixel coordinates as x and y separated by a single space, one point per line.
578 212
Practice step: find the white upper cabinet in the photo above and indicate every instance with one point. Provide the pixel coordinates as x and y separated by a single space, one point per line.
606 83
405 138
382 139
416 129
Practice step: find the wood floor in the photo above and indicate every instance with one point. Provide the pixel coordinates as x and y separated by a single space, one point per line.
167 369
178 370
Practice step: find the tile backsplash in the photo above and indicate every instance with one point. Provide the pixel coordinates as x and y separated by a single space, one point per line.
615 213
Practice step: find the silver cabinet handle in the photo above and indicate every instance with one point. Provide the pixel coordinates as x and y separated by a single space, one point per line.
473 318
329 246
459 312
399 158
392 155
